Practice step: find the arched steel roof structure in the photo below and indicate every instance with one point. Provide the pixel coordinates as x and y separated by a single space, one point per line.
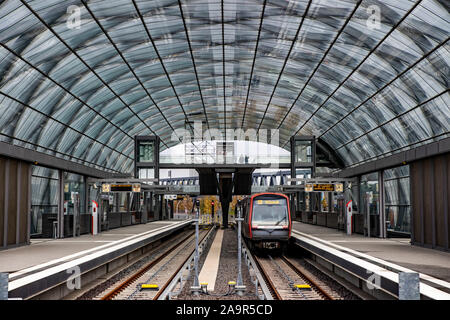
78 79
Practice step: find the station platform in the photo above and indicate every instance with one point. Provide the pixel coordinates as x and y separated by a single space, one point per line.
393 254
46 258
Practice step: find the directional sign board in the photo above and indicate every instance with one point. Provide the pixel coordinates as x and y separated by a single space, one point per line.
324 187
121 187
106 187
135 187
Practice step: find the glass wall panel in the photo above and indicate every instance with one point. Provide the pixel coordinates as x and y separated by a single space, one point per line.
123 201
397 200
370 203
351 193
369 191
302 173
44 201
146 151
145 173
73 183
303 151
302 198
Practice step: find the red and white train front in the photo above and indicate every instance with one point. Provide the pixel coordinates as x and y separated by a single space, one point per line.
267 220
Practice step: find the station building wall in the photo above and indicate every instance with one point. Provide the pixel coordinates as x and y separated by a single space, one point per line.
430 200
15 178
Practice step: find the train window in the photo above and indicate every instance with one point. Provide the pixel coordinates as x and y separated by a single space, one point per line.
269 211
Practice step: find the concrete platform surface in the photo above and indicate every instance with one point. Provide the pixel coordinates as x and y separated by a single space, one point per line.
210 267
42 252
434 263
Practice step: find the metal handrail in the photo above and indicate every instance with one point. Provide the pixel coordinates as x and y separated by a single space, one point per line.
255 275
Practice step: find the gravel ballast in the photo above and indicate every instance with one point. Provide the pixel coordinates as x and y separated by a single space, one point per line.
228 271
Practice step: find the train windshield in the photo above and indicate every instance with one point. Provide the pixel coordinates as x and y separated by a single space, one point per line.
270 211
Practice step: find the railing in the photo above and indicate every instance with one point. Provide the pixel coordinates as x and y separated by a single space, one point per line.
235 159
255 275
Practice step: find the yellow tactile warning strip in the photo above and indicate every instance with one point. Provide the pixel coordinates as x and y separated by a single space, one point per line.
210 268
302 286
150 286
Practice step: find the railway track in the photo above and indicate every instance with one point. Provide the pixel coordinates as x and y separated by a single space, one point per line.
158 272
288 280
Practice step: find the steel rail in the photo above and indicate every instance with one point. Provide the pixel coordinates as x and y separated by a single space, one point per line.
308 279
167 289
117 289
273 290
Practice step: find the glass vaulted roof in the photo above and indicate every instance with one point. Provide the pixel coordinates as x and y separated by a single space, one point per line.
79 79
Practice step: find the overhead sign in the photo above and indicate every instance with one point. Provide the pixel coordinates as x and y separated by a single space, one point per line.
170 196
121 187
136 187
106 188
268 201
323 187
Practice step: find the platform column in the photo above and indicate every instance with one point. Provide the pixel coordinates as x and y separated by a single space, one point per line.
76 214
225 195
86 195
382 210
368 226
60 217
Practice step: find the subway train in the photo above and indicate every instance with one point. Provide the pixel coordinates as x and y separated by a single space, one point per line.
267 220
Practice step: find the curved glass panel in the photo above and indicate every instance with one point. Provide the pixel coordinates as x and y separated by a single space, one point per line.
79 80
